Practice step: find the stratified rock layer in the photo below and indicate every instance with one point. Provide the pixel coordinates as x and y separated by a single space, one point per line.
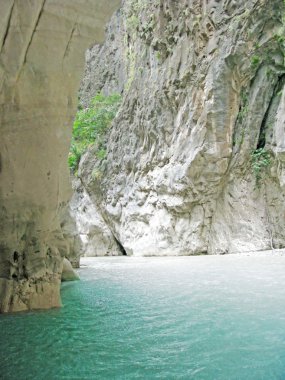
195 159
42 44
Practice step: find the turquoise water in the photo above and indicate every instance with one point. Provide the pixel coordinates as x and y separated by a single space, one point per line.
156 318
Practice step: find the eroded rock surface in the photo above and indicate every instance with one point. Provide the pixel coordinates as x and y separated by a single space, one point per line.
203 86
68 273
42 44
95 236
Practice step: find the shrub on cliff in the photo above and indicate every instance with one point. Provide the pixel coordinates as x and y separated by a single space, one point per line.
260 161
90 126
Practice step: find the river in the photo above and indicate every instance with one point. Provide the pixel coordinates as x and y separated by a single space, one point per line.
205 317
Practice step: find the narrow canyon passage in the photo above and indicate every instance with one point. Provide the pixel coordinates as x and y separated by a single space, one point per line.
178 142
161 166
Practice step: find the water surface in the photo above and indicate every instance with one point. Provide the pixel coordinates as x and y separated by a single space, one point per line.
205 318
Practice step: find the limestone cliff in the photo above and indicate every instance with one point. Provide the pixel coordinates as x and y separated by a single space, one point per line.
42 44
195 160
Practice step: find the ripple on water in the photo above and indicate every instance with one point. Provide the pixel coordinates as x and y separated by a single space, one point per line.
156 318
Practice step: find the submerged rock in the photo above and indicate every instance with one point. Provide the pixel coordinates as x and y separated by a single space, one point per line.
195 157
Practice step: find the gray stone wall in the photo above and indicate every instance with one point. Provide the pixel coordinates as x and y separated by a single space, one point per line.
203 95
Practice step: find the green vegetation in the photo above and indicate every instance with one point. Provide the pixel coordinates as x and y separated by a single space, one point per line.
260 161
133 11
255 61
243 111
132 23
90 127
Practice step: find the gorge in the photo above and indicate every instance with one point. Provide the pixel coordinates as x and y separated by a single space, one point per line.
167 152
193 162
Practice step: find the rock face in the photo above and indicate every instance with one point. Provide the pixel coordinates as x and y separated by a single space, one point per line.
92 234
68 273
196 155
42 44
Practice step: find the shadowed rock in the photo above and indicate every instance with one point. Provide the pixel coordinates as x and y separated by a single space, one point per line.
42 45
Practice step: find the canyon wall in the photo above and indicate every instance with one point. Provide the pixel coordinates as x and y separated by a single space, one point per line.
42 45
195 157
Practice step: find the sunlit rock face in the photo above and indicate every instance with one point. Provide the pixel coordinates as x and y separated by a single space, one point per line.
203 85
42 44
